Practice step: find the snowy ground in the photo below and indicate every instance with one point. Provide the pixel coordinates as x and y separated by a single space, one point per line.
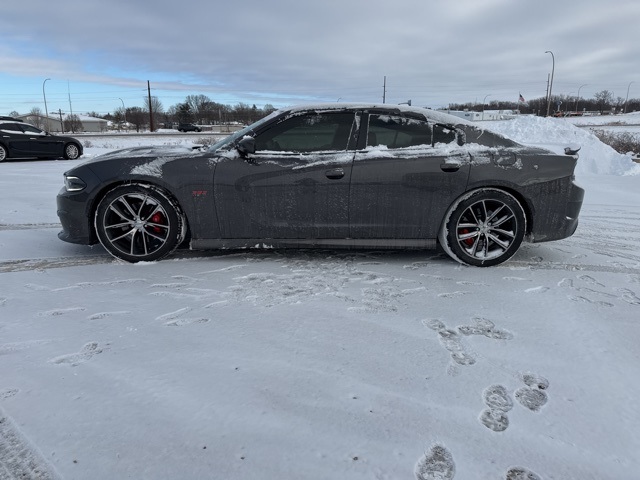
323 365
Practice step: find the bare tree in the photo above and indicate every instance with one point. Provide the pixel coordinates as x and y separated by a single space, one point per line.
156 108
604 100
72 123
36 118
198 105
137 116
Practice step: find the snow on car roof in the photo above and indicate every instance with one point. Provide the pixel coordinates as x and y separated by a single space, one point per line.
436 116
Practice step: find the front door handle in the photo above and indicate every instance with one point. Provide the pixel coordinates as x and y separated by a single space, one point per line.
334 173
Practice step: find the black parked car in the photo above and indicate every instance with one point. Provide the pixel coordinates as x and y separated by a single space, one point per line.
21 140
336 175
188 127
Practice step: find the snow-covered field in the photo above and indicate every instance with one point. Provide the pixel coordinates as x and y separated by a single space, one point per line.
326 364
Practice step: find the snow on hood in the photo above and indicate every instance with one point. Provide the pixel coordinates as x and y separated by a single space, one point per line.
150 151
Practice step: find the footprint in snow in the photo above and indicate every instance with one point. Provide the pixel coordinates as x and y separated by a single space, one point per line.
8 393
451 341
437 464
629 296
536 290
485 327
533 396
179 322
579 298
499 402
520 473
87 352
589 279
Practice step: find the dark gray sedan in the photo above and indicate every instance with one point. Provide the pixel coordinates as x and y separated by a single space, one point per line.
332 175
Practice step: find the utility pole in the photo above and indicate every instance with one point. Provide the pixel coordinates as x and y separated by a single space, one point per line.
384 90
71 122
150 107
61 122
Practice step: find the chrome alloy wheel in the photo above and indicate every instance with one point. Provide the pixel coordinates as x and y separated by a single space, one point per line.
71 151
136 224
486 229
483 228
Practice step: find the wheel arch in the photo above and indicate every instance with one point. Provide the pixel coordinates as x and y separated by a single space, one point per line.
66 144
509 250
6 149
526 205
93 206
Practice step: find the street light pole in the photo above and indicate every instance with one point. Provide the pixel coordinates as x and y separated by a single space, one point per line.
553 67
625 100
578 99
483 101
46 112
124 112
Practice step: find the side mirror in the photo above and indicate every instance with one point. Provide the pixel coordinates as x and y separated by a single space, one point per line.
246 146
461 137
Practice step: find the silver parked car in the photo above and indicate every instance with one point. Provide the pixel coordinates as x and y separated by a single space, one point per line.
331 175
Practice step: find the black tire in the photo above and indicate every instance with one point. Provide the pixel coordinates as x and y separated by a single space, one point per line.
3 153
71 151
139 223
483 228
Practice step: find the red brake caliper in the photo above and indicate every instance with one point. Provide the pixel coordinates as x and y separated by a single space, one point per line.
467 241
157 218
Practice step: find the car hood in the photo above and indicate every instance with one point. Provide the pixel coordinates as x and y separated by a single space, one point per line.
142 153
63 138
136 162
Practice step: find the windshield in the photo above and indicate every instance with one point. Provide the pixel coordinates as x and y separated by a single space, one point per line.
228 142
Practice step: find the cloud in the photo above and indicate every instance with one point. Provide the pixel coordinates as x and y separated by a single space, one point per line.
281 51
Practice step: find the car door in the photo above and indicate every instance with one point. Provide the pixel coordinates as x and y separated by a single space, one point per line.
402 180
34 142
295 185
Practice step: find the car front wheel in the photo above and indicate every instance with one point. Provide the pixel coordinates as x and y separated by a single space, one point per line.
139 223
71 151
483 228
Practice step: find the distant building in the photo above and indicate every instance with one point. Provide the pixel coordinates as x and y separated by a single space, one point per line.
54 124
486 115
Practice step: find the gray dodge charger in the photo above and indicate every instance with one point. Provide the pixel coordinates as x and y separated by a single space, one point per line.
330 175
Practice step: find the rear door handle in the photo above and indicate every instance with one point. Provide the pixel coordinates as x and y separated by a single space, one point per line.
335 173
449 167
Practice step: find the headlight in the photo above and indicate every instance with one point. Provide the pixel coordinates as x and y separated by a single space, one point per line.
73 184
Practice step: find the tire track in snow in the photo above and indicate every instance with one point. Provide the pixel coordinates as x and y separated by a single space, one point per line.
27 226
19 459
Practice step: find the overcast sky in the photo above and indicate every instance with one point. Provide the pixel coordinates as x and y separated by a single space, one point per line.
100 54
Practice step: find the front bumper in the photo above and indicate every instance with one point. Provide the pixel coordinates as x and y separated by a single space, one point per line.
76 223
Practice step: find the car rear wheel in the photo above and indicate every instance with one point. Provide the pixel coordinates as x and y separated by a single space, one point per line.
139 223
71 151
3 153
483 228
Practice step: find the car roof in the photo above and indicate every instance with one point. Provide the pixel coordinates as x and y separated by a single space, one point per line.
432 115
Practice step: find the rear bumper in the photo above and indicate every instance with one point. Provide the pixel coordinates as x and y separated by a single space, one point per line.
558 219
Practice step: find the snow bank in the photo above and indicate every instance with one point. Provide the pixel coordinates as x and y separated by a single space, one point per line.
596 158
